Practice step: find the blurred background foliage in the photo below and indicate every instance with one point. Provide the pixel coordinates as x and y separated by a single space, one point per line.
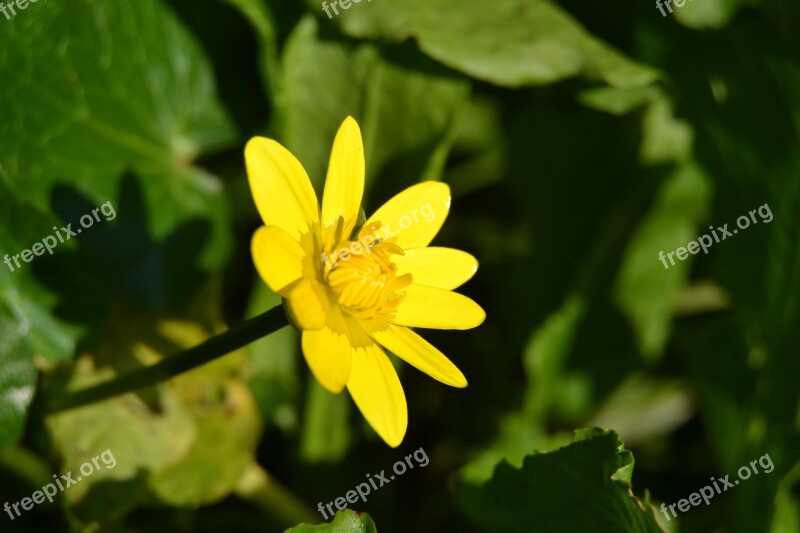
579 140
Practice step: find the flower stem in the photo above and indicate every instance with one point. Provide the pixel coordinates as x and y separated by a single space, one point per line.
215 347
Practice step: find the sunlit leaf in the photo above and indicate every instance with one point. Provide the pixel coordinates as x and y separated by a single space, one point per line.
346 521
585 486
539 42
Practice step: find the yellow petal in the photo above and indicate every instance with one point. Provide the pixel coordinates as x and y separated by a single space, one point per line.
344 186
376 389
278 257
445 268
281 189
415 351
328 354
429 307
307 303
415 215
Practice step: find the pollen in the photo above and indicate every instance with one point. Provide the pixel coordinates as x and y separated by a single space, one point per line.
366 284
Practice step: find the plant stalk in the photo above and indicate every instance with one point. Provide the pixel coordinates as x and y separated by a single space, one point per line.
213 348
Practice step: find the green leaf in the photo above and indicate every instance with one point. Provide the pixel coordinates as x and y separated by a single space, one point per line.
17 377
646 289
167 441
786 518
585 486
21 226
346 521
539 42
405 105
743 363
101 88
228 425
140 440
665 139
708 13
27 326
618 101
98 89
550 388
546 357
643 408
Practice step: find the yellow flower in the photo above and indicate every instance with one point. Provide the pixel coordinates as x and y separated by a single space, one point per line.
354 290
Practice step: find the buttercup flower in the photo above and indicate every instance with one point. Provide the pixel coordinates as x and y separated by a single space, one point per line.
353 290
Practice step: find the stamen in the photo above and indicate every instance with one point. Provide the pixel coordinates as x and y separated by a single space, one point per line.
365 283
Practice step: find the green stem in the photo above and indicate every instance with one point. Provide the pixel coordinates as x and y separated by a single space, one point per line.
215 347
265 492
32 470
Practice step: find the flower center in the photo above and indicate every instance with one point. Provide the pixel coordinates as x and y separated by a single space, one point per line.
362 277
